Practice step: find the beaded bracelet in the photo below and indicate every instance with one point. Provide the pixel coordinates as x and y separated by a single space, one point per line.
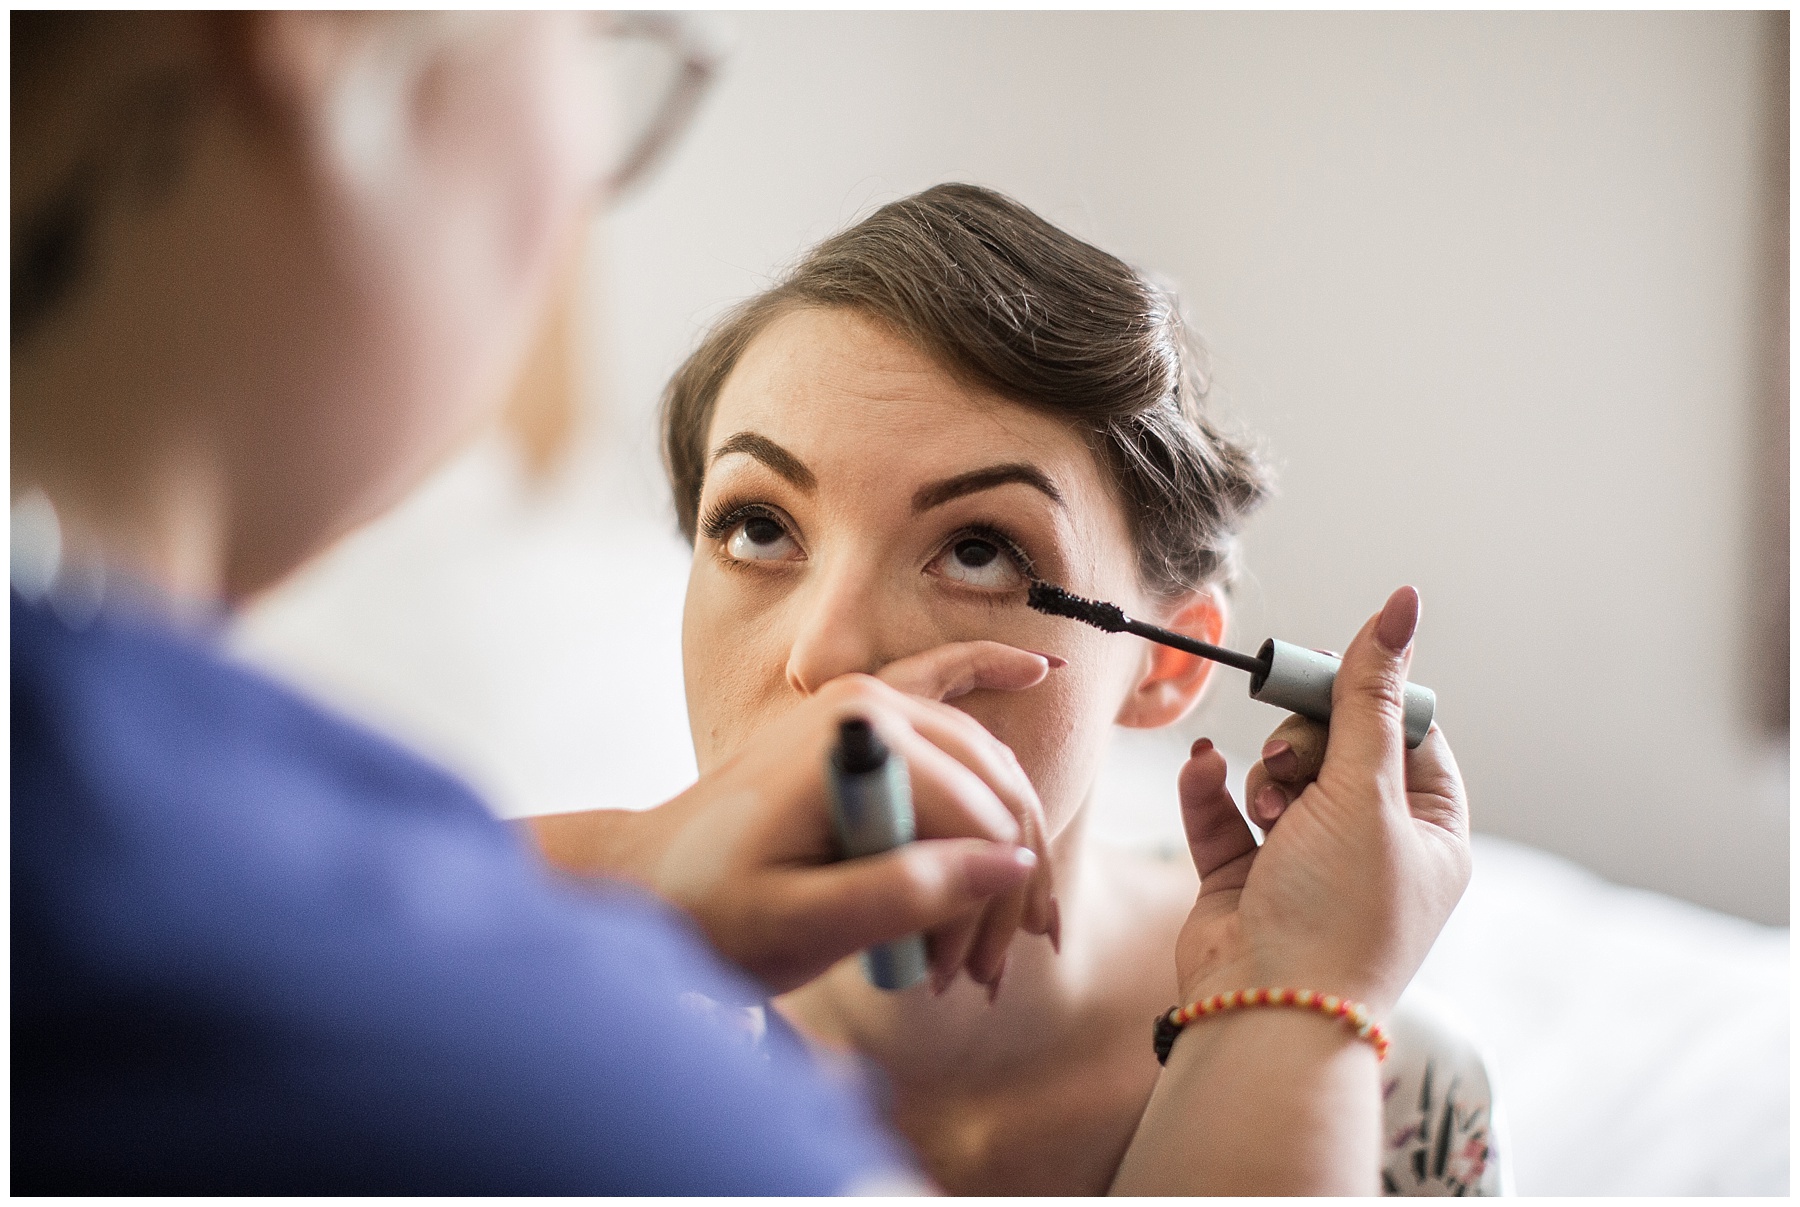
1169 1025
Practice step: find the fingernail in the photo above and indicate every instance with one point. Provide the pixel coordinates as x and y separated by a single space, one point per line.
1200 747
1052 659
1279 757
1055 931
1025 857
1399 618
1270 802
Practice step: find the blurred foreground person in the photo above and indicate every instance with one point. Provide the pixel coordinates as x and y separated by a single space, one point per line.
268 270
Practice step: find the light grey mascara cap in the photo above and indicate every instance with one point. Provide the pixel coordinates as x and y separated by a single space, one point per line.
1300 680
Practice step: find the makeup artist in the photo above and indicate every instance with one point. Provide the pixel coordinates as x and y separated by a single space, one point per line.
268 269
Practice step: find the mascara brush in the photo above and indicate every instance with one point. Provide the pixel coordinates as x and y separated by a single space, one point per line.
1281 674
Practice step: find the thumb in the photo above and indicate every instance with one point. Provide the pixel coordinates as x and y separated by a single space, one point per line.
858 903
1218 837
1368 698
948 671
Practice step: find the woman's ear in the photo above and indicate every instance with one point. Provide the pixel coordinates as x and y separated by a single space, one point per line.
1172 681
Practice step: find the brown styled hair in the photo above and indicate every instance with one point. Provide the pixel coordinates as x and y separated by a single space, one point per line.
1009 302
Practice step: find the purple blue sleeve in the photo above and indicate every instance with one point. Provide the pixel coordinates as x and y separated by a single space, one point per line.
259 950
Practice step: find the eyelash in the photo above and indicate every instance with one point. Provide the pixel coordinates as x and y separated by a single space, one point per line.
724 516
987 532
727 514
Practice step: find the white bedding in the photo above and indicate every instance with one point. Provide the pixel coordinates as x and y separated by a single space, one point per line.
1639 1043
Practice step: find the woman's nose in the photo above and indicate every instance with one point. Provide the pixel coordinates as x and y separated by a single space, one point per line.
838 632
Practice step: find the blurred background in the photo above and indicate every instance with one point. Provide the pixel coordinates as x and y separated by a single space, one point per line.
1503 295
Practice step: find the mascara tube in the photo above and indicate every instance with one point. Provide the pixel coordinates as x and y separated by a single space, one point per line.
871 809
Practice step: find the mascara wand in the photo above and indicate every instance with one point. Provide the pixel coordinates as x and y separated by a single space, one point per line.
1284 675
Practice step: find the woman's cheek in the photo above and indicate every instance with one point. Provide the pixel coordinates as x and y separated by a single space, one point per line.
706 668
734 658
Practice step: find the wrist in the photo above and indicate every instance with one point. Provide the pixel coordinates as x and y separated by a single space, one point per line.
1320 976
1232 1083
1332 1007
616 843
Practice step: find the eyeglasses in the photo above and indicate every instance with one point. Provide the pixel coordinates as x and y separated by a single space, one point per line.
657 65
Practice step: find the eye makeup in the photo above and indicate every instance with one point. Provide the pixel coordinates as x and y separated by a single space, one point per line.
727 514
1022 561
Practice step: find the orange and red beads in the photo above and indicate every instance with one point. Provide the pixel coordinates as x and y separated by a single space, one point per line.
1169 1025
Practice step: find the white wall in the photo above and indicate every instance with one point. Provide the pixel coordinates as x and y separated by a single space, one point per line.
1487 285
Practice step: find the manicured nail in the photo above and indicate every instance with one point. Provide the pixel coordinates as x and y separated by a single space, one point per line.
1399 619
1055 931
1269 803
1052 659
1200 747
1279 757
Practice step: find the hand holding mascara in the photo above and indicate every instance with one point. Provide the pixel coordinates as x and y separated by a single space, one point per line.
871 809
1284 675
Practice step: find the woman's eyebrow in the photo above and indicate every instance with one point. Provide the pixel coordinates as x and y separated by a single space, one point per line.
770 454
938 493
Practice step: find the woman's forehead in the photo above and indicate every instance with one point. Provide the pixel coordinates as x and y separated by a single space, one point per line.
841 389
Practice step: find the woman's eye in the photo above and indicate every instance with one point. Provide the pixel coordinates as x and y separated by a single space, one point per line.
980 563
759 538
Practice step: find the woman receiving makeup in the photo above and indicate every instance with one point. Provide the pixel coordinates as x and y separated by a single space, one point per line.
874 459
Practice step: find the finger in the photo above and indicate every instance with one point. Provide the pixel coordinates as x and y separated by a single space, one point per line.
1217 835
994 936
846 907
1367 709
1434 786
949 800
1295 751
968 741
922 727
958 769
1290 760
949 948
956 669
1267 802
